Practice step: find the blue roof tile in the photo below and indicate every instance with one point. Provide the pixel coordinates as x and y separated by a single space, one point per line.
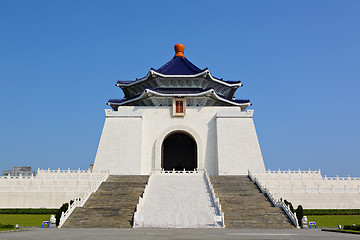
179 66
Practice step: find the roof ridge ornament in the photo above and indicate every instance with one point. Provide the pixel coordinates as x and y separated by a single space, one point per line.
179 50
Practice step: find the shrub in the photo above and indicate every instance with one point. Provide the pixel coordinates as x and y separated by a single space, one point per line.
28 211
299 214
348 227
6 225
332 211
62 209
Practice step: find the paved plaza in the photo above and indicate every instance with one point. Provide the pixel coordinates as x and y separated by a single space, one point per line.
159 234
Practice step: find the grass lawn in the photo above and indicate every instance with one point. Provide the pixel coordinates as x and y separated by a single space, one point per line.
24 220
334 220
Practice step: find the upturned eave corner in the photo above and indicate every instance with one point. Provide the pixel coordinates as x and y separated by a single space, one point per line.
152 74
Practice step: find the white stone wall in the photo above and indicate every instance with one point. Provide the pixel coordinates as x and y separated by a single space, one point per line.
132 138
120 146
311 190
48 189
237 143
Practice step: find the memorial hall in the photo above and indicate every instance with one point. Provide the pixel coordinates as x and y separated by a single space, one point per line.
179 150
179 117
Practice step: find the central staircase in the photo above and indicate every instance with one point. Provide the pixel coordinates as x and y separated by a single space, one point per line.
244 206
111 206
178 200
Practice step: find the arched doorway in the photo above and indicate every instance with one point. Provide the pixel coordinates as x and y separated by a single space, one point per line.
179 151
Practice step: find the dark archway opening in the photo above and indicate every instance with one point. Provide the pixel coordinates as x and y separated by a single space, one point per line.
179 152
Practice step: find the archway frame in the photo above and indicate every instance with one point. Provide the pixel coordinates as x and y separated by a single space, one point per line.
174 129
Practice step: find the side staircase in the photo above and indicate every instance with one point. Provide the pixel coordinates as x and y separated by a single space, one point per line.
244 205
111 206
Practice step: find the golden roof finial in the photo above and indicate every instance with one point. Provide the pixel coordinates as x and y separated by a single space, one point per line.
179 50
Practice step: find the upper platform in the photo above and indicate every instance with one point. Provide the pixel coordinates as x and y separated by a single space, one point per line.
177 74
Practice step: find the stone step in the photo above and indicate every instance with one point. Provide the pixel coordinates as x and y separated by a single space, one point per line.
177 201
111 206
244 205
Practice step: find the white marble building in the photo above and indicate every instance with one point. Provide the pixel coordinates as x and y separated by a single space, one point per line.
169 112
178 117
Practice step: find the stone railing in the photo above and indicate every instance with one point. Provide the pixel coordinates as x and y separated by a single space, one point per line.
219 219
307 182
315 189
52 171
341 179
67 172
79 202
275 202
305 175
52 181
293 172
139 220
20 177
162 171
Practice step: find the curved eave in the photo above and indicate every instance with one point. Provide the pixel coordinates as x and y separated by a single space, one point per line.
209 93
205 73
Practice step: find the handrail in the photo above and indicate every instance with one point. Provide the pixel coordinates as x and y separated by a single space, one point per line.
275 202
138 221
79 202
215 199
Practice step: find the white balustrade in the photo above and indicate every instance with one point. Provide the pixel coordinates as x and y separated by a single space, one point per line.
307 182
275 202
216 201
51 181
79 202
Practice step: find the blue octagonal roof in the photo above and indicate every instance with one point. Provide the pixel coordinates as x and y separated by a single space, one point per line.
179 66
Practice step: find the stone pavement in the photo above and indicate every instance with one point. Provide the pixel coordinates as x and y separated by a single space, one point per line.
160 234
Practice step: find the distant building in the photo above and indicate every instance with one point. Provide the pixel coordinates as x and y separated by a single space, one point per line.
19 171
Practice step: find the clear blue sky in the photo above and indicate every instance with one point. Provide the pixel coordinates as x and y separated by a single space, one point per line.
299 62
